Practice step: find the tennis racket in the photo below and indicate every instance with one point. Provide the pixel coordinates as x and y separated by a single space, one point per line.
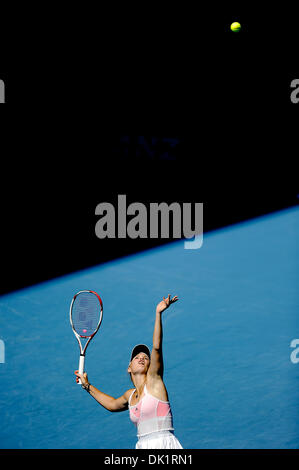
86 313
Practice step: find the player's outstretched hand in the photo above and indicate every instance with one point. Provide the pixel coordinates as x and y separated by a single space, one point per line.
164 304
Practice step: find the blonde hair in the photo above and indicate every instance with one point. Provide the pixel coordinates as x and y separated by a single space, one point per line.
129 372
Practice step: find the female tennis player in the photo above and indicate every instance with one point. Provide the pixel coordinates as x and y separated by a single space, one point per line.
148 402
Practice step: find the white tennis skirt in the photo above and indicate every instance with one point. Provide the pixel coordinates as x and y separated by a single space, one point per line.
159 440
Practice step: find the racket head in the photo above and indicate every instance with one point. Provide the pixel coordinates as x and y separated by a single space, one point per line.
86 313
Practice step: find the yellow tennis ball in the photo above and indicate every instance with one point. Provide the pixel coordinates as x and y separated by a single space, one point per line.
235 27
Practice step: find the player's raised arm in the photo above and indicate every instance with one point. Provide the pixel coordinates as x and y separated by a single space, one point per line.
156 365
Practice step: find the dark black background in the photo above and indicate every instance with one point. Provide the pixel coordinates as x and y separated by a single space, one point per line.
211 116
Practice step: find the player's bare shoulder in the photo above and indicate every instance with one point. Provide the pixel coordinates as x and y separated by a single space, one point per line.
128 393
156 387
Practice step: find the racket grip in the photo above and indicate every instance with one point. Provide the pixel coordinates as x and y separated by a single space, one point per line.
81 366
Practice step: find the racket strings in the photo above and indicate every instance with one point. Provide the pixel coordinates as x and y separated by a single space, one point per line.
86 312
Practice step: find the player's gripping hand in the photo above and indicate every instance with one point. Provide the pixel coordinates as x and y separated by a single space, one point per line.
83 378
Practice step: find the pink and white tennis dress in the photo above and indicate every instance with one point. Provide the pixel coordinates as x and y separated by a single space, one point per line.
153 419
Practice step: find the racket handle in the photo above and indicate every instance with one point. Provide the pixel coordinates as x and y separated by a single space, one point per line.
81 366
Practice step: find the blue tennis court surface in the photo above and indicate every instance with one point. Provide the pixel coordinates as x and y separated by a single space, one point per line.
227 350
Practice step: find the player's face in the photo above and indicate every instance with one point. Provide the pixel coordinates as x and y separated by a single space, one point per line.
139 362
